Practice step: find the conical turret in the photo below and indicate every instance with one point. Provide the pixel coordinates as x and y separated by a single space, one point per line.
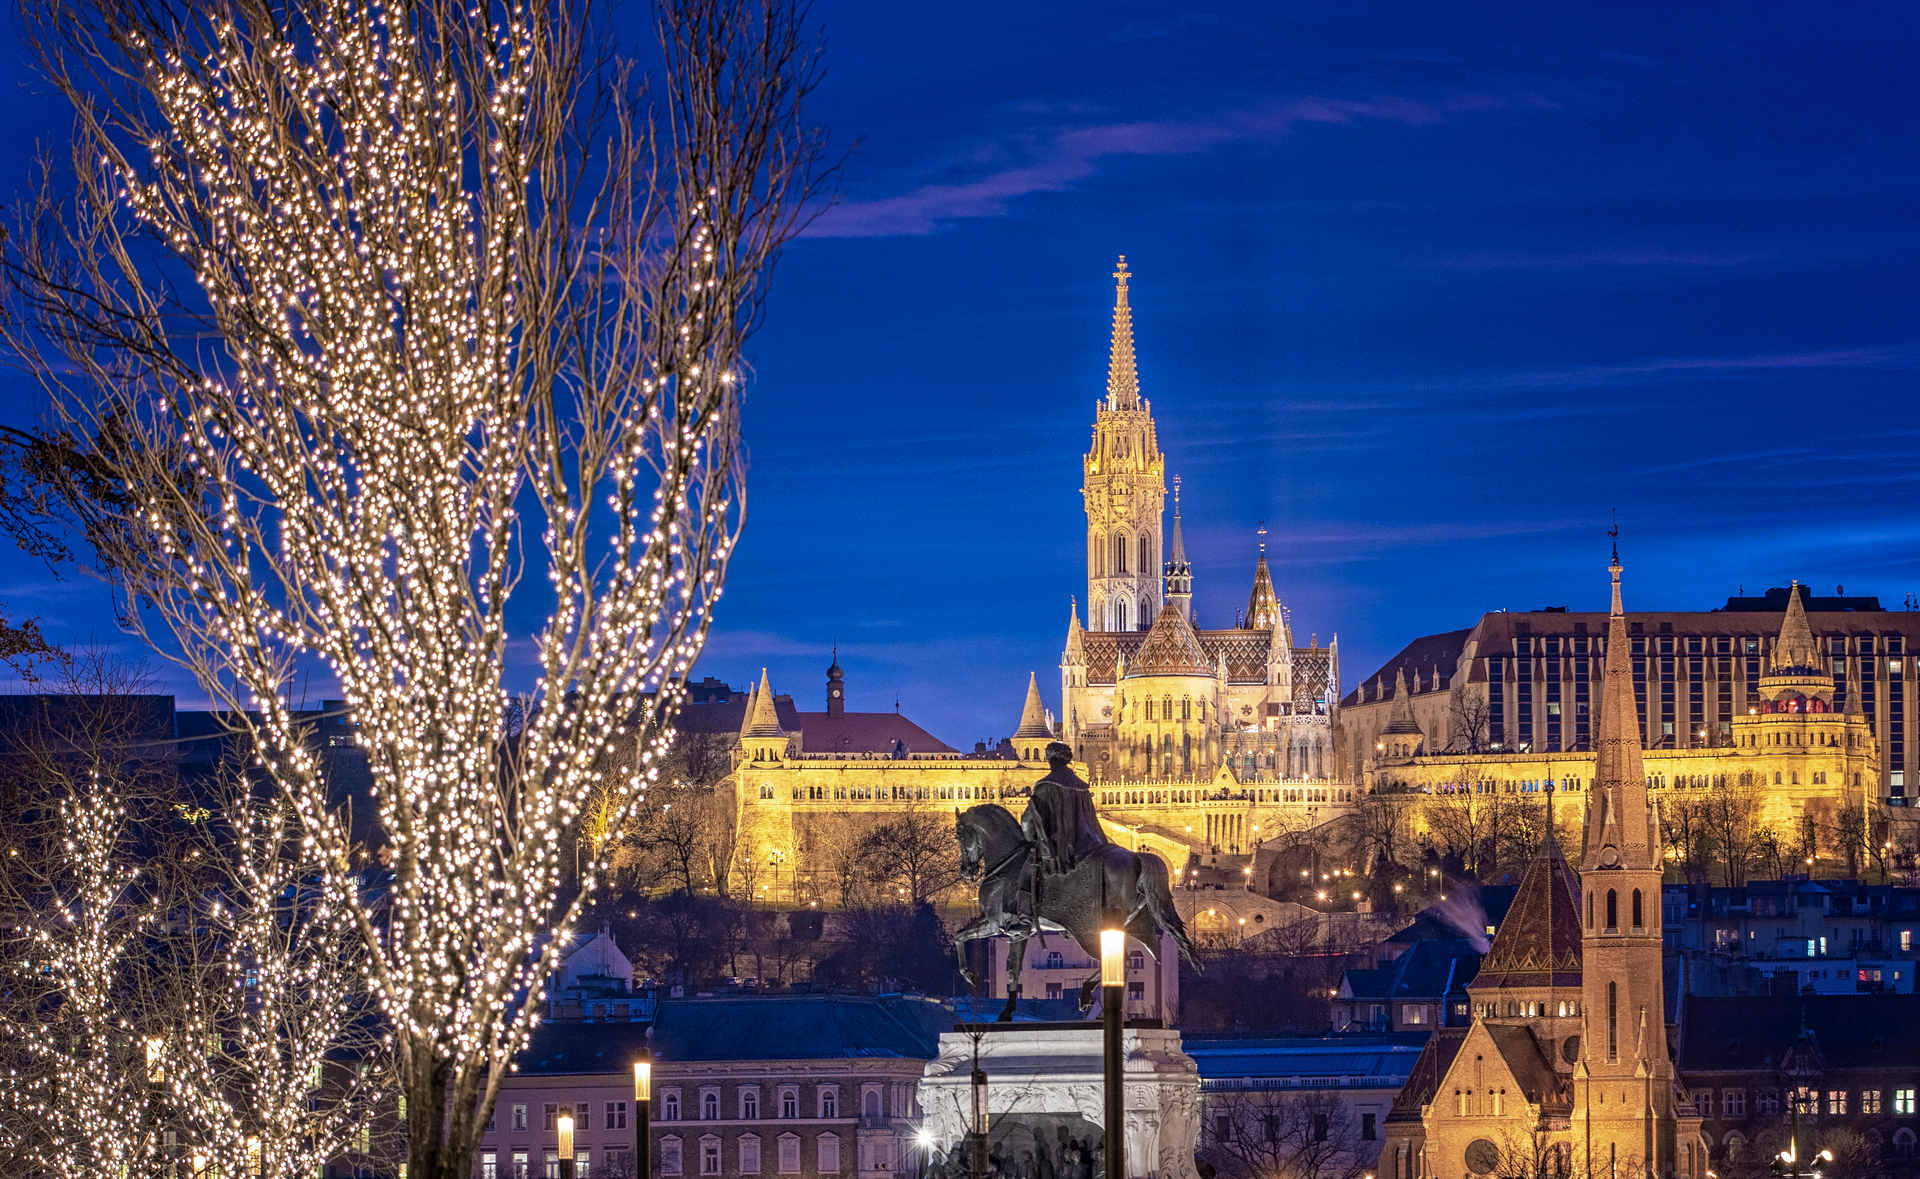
1076 652
1033 714
764 738
1796 649
1400 721
1030 739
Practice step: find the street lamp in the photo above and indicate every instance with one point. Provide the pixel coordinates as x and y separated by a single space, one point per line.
566 1146
642 1114
1113 988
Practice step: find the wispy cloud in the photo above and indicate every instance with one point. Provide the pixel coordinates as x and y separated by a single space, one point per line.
1066 156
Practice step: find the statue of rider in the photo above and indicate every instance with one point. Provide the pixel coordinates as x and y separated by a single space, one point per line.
1059 819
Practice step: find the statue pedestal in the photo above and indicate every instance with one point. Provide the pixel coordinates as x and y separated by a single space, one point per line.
1044 1079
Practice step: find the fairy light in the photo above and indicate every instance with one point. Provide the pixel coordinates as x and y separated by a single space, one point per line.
430 382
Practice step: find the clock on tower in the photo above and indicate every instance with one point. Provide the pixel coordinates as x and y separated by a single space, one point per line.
836 689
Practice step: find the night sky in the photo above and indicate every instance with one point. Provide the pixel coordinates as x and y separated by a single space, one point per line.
1428 288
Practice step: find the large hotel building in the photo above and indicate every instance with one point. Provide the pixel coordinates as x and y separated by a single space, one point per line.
1528 682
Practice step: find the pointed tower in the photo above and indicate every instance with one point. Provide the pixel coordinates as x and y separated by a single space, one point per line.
1625 1107
1030 739
1531 973
1179 570
836 686
1402 736
1263 606
763 737
1073 677
1124 490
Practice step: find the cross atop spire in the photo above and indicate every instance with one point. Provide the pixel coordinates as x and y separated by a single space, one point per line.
1123 379
1613 568
1261 532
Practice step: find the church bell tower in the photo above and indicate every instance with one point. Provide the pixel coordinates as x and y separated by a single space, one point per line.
1125 489
1624 1121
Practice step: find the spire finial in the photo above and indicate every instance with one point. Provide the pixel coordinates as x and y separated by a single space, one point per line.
1123 379
1176 497
1613 566
1261 532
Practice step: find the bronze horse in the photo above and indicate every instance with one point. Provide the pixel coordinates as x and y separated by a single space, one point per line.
1018 902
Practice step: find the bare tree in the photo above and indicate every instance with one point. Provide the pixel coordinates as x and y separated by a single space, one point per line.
1274 1134
1684 825
1729 817
1469 722
278 1057
460 303
912 855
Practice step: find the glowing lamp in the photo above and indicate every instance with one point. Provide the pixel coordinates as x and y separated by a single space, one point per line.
566 1136
642 1081
1113 949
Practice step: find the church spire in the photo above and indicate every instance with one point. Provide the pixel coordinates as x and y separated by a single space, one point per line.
1179 571
1618 814
1263 605
1123 380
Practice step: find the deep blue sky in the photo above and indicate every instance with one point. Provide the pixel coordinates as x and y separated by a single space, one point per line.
1429 288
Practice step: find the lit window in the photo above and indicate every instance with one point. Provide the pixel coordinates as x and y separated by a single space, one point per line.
1903 1101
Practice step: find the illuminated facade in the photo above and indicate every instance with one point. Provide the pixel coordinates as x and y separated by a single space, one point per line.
1174 721
1795 743
1524 682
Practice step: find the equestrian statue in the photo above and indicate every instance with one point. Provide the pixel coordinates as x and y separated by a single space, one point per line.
1055 871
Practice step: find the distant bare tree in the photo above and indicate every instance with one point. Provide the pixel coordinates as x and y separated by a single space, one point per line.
1684 826
1730 811
1469 722
912 854
1272 1134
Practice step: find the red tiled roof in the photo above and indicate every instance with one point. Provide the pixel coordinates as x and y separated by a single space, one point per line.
852 732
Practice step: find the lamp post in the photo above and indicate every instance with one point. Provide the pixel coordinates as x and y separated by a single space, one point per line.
1113 998
642 1114
566 1146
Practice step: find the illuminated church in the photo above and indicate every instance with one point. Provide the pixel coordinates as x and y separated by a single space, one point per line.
1148 696
1565 1070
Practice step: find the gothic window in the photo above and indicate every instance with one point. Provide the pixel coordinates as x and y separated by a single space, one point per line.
1120 552
1186 708
1097 554
1142 621
1613 910
1149 708
1613 1013
1637 922
1166 704
1146 554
